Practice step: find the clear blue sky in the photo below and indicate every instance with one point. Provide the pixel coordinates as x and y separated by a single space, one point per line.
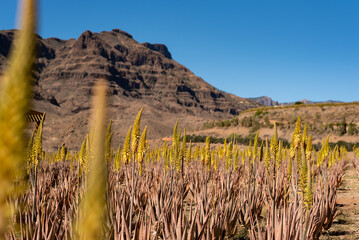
288 50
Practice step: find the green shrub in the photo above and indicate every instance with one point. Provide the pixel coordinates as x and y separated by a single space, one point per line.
258 112
352 129
247 122
235 121
202 139
226 123
342 127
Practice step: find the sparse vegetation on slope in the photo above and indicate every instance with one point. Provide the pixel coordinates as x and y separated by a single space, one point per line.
337 119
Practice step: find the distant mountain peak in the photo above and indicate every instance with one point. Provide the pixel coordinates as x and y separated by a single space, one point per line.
306 101
267 101
264 100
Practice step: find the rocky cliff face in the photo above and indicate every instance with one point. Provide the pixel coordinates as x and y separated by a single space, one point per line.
138 75
266 101
161 48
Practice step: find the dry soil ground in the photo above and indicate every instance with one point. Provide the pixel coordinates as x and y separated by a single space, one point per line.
346 224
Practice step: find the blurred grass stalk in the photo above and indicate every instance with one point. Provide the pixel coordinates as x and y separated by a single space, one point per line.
94 204
15 98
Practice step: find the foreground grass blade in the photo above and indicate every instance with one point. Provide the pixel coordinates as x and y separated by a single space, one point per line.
14 103
94 204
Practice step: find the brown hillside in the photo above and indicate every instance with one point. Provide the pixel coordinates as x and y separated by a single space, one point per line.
139 75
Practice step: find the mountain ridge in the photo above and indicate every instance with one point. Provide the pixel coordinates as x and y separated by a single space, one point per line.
138 75
269 102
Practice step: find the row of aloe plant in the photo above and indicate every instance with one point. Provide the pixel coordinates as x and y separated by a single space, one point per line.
177 193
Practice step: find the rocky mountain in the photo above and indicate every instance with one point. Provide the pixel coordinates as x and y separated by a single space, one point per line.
269 102
138 75
264 100
306 101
